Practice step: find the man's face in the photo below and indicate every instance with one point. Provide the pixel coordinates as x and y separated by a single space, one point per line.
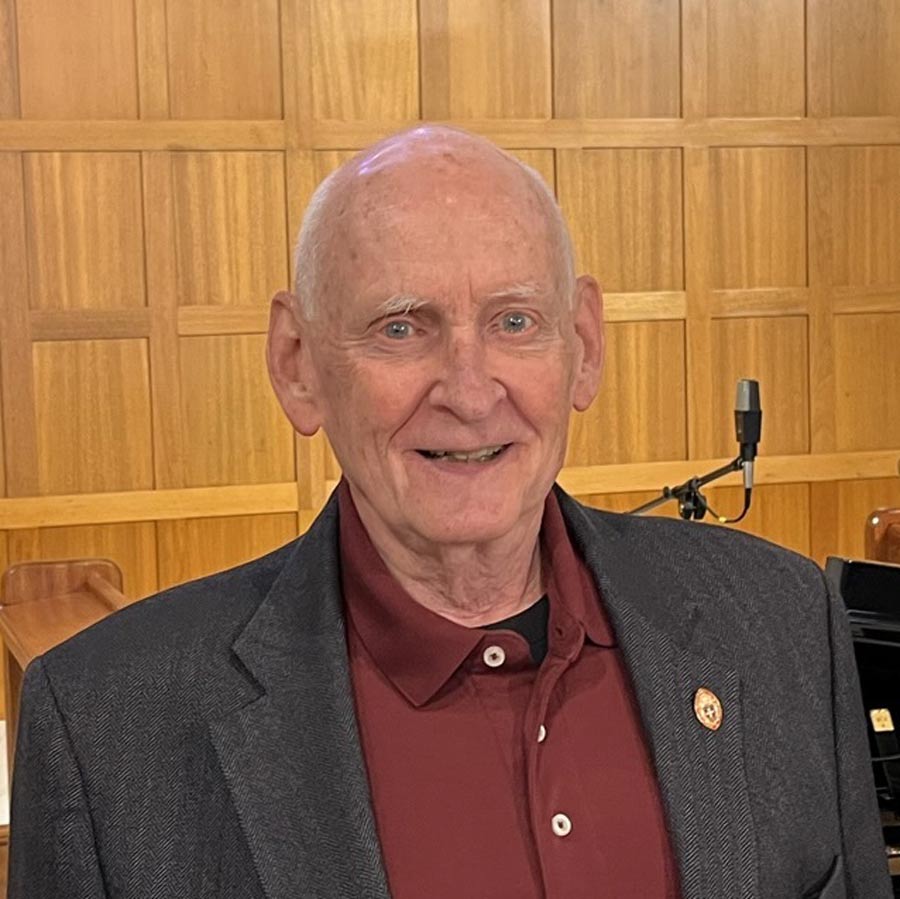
445 359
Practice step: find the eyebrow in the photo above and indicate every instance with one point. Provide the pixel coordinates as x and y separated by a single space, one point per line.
401 304
520 291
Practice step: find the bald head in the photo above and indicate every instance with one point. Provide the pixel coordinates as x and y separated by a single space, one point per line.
428 167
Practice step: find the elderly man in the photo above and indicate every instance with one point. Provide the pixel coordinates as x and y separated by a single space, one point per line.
459 683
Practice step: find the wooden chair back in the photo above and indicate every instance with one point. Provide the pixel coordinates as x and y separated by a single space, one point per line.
883 535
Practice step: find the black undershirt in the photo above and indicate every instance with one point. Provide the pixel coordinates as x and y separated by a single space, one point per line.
531 624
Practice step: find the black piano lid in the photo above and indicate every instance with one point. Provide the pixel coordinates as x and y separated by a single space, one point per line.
871 593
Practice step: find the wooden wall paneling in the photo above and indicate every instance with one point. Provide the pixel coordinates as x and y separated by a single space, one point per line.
698 326
230 231
2 442
224 60
85 235
625 212
694 59
84 445
542 161
132 546
296 75
162 298
365 60
818 57
779 512
823 391
865 67
617 59
759 216
840 510
756 58
77 60
865 213
639 415
488 59
867 380
772 351
152 41
625 502
194 547
19 428
9 61
234 430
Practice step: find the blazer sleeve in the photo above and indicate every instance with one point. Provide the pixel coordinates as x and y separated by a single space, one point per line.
52 850
863 843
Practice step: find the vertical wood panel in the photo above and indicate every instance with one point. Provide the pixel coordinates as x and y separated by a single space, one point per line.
759 216
365 61
867 375
779 512
624 211
131 546
89 446
195 547
865 66
77 60
866 215
152 58
774 352
85 233
616 59
229 239
485 59
639 415
19 429
756 52
224 60
231 421
9 69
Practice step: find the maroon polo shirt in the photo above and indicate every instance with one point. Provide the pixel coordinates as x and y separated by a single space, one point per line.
491 775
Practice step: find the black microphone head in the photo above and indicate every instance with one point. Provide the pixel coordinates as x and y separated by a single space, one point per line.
747 417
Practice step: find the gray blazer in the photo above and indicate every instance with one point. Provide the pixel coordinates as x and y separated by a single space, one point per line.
203 743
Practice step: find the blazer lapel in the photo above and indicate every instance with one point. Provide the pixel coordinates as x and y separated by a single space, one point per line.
291 755
700 771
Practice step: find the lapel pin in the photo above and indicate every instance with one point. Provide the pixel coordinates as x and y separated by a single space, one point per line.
708 708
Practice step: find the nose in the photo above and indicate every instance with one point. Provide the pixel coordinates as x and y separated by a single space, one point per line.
465 385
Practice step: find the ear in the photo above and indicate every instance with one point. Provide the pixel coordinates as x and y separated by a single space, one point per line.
291 368
589 330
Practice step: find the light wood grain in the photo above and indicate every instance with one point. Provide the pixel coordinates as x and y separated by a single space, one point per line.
624 211
867 378
772 351
132 545
865 214
152 58
759 217
234 430
84 230
9 69
755 62
865 67
84 444
195 547
639 415
365 60
224 61
77 60
485 59
618 59
542 161
229 240
90 324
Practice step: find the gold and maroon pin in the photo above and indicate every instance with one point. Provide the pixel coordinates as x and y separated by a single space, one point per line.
708 708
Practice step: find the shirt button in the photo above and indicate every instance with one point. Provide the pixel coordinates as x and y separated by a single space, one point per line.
542 734
494 656
561 824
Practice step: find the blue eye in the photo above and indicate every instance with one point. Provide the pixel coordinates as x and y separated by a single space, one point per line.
516 322
398 330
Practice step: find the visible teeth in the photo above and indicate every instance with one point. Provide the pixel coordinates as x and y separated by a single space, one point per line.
479 455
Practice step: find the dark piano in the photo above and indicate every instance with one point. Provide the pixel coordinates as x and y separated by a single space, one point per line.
871 593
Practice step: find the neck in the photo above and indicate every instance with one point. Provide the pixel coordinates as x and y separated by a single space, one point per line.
472 584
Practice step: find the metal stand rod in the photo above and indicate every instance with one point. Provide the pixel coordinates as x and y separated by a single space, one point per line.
690 503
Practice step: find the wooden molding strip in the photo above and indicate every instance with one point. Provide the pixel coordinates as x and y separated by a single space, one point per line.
759 302
272 134
849 300
263 499
642 307
199 320
147 505
89 324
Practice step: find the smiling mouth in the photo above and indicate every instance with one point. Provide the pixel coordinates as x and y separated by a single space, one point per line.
484 454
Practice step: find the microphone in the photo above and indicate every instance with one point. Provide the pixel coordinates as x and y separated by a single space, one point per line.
747 425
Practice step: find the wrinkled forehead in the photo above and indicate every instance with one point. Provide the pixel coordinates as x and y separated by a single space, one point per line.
450 206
